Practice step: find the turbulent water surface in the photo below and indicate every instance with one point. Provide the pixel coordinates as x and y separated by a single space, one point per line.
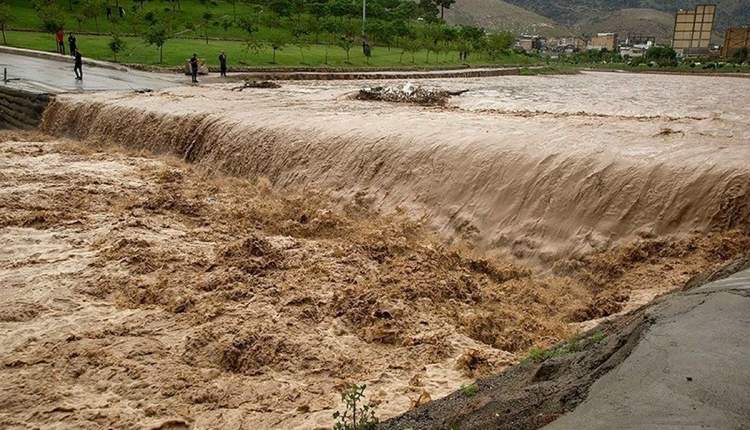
539 165
143 291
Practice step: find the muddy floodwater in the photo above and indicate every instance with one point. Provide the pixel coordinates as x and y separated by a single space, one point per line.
201 257
540 166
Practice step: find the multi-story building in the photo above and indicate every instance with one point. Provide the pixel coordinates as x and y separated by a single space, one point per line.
566 44
692 30
634 39
735 39
530 43
601 41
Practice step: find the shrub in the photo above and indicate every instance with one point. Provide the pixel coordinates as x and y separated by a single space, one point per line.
470 390
357 415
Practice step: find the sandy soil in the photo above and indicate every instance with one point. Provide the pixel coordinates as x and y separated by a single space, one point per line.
142 292
540 167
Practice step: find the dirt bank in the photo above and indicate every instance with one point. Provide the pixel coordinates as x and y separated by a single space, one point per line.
541 167
141 291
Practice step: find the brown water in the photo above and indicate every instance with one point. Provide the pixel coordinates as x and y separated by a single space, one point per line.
143 291
539 166
139 291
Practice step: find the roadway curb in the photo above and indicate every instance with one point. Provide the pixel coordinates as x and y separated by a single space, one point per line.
60 57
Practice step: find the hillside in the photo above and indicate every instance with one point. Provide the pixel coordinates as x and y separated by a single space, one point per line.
502 16
577 12
649 22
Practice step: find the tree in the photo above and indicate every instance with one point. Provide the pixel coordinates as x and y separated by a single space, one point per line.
157 35
92 9
249 26
79 16
428 10
206 21
234 9
277 39
498 44
50 16
301 34
444 4
225 23
347 35
330 26
116 45
411 45
5 18
470 39
663 56
429 36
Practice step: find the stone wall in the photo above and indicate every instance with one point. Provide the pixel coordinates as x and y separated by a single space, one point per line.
21 109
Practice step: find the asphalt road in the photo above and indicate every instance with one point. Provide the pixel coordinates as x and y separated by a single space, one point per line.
691 370
55 76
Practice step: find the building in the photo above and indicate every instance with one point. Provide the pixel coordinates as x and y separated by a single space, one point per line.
601 41
692 30
635 50
530 43
636 39
735 39
566 44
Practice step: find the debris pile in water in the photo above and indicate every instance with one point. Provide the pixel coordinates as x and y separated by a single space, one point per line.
408 93
256 84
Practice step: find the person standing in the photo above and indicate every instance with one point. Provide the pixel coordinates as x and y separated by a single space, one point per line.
194 68
78 66
60 38
72 43
223 64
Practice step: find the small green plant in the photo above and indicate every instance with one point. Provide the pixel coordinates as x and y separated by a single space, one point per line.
597 337
470 390
574 344
538 354
357 415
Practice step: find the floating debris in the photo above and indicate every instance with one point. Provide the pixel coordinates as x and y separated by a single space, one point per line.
408 93
256 84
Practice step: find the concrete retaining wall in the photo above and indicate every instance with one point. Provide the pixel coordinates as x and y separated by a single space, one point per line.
364 75
21 109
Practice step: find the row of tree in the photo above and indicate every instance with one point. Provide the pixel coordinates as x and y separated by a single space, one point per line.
434 38
273 24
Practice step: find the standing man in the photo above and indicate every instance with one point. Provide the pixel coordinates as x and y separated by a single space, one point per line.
59 37
223 64
78 67
72 43
194 67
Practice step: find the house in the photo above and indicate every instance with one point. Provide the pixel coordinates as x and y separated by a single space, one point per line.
602 41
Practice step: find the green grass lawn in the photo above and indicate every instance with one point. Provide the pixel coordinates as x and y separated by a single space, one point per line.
189 14
177 51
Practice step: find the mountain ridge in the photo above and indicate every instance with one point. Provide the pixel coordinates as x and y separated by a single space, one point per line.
585 17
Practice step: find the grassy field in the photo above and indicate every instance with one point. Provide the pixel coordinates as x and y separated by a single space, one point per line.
177 51
188 15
